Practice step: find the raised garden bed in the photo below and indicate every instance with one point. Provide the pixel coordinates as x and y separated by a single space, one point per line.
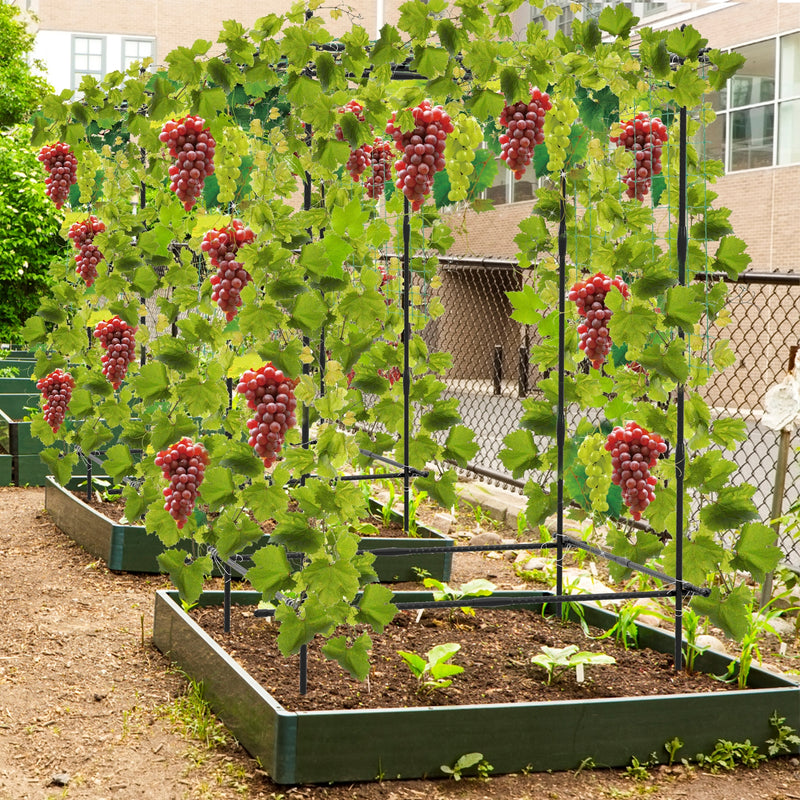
23 366
20 464
129 548
323 746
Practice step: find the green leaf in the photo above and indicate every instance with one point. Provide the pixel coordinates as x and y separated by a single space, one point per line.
644 547
729 612
669 361
241 459
266 502
299 628
175 353
118 462
61 465
756 551
430 61
527 305
681 309
714 225
653 283
443 416
331 582
353 658
727 431
702 556
309 312
271 571
539 416
460 445
685 42
188 578
617 20
632 325
375 607
540 505
234 532
730 257
732 508
152 382
441 490
520 453
726 65
34 331
218 488
298 534
486 104
709 472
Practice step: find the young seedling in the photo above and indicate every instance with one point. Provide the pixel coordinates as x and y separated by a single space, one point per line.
433 671
479 587
556 661
413 507
786 739
624 630
672 747
468 761
691 630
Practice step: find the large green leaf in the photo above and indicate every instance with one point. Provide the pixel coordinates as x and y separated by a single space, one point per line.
187 577
520 453
733 507
730 612
353 657
756 550
271 571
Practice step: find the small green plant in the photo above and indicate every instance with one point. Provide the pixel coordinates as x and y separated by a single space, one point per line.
191 715
786 739
413 508
637 770
691 630
388 506
434 670
479 587
672 747
729 755
468 761
556 661
587 763
624 630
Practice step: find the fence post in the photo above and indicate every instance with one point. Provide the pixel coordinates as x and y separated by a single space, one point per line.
497 368
524 363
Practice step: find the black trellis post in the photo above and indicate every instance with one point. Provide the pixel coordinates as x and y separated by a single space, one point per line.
561 423
406 302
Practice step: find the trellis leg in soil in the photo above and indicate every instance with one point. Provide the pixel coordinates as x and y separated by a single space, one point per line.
406 301
561 413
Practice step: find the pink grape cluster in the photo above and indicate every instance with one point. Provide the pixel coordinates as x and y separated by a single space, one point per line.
381 168
634 452
192 146
524 123
646 138
590 298
183 464
421 151
56 389
89 255
62 168
117 337
359 156
271 395
222 245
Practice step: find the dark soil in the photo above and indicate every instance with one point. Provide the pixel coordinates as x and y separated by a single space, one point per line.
496 646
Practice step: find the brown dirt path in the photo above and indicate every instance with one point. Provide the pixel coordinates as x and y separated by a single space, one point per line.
85 702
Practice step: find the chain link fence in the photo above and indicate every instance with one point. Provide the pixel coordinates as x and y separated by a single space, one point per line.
492 373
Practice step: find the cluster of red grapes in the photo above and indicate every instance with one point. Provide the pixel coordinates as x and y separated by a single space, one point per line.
89 256
192 146
271 395
634 452
359 156
590 298
183 464
222 245
62 168
421 151
645 137
525 125
56 389
393 374
380 156
117 337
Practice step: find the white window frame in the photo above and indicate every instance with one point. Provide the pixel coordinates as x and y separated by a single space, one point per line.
138 40
75 76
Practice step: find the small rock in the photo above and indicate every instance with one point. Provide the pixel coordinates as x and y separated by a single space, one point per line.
784 628
705 640
443 523
535 564
61 779
99 696
485 539
795 762
509 555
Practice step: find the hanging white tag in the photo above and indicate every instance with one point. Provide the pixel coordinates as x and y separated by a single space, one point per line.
782 649
579 673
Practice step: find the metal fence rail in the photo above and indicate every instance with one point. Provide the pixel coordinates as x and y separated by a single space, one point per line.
491 370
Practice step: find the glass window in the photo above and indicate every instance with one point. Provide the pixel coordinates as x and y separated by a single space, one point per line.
498 191
88 58
755 82
788 138
713 146
525 187
134 50
790 65
751 137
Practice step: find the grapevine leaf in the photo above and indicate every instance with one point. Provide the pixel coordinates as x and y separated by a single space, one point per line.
653 283
685 42
732 508
726 65
617 20
520 454
233 536
60 464
92 437
527 305
152 382
702 555
430 61
485 104
166 431
353 658
539 417
175 353
309 312
460 445
681 310
688 86
297 534
330 582
266 502
633 325
722 354
271 571
669 361
375 607
756 552
714 225
730 257
202 397
297 629
442 417
441 490
34 331
540 505
727 431
709 472
218 488
240 458
644 547
187 577
729 612
255 318
118 461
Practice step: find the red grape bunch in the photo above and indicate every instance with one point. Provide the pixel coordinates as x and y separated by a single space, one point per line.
222 245
590 298
634 452
117 337
381 168
183 464
62 166
645 137
421 151
525 125
192 146
271 395
359 156
56 389
89 256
